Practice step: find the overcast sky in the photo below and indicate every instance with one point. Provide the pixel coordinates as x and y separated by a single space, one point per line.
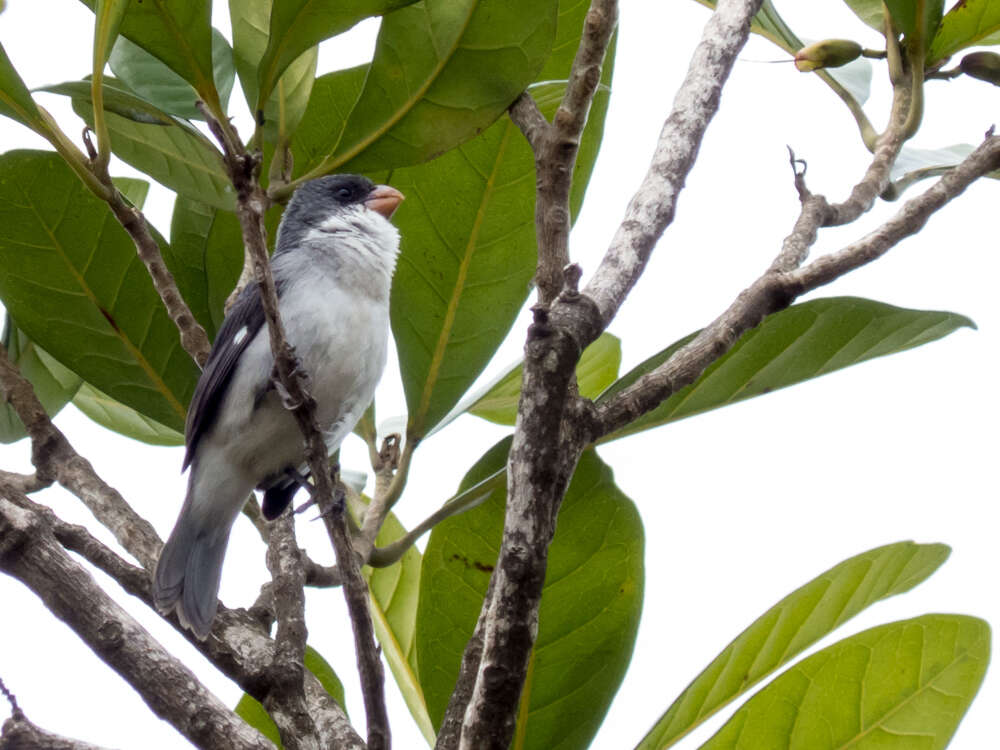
740 505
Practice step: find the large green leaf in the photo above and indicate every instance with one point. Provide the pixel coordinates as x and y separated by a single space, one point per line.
589 612
916 17
15 99
967 23
253 713
443 70
869 11
468 248
207 248
284 107
53 384
179 33
393 594
297 25
596 370
333 96
170 151
465 267
205 256
791 626
117 417
796 344
902 685
70 277
148 77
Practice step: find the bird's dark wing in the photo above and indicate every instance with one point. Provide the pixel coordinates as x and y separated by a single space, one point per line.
230 343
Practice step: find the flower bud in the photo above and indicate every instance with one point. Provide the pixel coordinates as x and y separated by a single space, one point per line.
982 65
830 53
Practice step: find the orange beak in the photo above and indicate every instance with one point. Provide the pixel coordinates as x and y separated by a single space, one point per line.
384 199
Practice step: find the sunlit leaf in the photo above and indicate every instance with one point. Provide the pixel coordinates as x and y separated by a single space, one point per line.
589 612
791 626
596 370
967 23
393 593
902 685
800 343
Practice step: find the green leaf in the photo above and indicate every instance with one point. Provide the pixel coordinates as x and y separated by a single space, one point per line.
333 96
179 33
323 672
468 247
443 71
465 267
168 150
253 713
148 77
969 22
791 626
916 18
54 384
124 420
15 99
205 256
108 18
869 11
133 189
70 277
207 248
286 104
797 344
393 595
902 685
589 612
596 370
298 25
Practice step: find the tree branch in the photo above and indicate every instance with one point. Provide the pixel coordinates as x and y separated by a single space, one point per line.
30 552
654 204
777 288
55 458
18 733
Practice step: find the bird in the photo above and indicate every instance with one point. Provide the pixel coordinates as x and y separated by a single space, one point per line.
333 263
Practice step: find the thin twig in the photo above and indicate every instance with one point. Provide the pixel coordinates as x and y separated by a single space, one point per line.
776 289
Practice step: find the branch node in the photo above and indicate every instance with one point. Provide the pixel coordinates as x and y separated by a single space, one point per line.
539 327
572 274
89 145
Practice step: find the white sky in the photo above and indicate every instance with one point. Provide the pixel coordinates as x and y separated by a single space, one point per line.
741 505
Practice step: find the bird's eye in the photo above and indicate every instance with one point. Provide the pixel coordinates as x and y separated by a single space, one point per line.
344 193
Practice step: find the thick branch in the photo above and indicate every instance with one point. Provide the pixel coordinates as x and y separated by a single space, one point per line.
286 697
19 734
55 458
654 204
31 553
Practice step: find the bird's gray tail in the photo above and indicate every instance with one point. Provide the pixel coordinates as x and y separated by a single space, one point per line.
189 570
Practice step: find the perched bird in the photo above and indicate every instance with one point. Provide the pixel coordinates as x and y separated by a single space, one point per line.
332 267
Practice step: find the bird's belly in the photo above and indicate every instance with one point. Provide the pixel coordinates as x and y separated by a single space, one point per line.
341 345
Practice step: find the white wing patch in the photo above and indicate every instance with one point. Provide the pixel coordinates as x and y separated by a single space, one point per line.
240 335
